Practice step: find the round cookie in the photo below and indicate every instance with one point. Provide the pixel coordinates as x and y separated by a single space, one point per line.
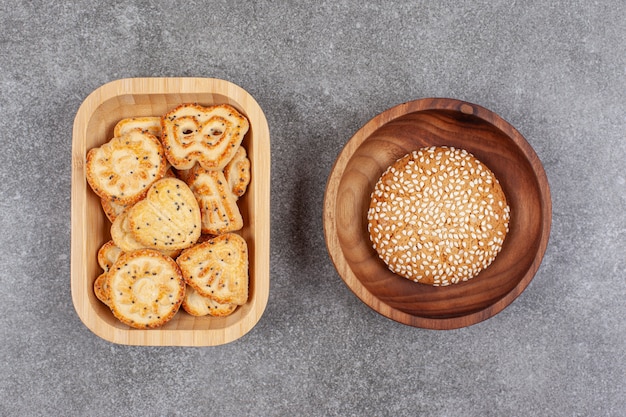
438 216
123 169
145 288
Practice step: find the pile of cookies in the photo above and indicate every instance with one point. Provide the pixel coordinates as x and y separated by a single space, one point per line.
170 186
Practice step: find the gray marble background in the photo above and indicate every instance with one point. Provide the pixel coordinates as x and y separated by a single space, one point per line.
556 70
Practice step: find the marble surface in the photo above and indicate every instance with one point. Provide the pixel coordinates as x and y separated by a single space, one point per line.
556 70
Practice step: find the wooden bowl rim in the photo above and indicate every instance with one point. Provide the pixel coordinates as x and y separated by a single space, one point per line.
330 204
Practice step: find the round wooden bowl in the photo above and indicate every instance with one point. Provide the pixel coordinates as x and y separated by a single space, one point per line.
391 135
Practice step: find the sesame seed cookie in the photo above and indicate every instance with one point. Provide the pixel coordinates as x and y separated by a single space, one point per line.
438 216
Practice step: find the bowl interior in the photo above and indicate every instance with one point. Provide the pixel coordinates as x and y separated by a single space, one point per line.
92 228
492 146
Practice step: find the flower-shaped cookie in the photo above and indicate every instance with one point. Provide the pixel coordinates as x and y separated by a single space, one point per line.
145 288
208 135
123 169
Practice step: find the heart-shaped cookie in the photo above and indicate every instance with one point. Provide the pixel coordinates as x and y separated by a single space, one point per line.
168 218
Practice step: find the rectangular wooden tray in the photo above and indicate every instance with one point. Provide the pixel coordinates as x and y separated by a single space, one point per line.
93 126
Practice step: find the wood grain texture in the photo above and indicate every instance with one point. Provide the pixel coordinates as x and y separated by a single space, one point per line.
393 134
93 126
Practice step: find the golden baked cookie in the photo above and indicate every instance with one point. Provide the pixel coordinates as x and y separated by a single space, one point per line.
112 209
101 288
123 237
237 172
218 205
108 254
146 288
438 216
218 268
168 218
197 305
123 169
208 135
150 124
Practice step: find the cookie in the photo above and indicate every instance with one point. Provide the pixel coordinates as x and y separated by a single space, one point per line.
218 205
123 237
101 288
237 173
197 305
438 216
124 168
148 124
218 268
208 135
168 218
146 288
112 209
108 254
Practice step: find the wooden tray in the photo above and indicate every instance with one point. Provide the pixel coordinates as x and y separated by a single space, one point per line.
93 126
